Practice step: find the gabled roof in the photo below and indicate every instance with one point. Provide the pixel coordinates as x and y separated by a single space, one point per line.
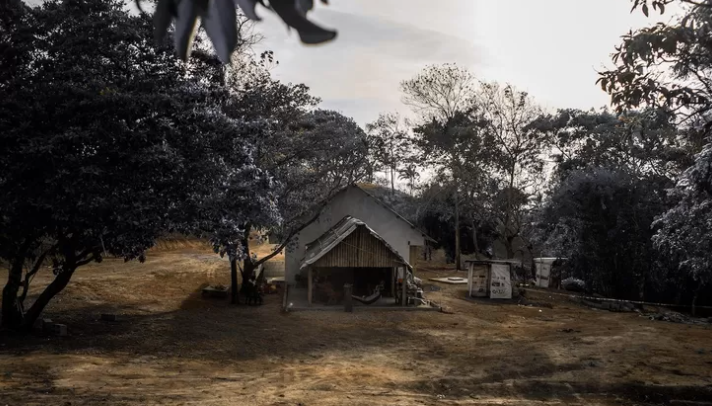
380 203
336 234
387 207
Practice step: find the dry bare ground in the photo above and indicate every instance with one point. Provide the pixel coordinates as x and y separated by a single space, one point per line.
171 347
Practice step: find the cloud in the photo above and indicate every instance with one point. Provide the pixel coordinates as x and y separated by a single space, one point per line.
362 69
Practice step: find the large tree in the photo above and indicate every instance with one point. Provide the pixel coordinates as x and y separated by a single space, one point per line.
685 231
518 155
610 177
106 148
668 66
448 134
600 219
389 145
310 155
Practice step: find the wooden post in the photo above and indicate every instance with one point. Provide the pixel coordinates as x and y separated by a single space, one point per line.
489 280
348 301
309 285
284 298
404 299
393 282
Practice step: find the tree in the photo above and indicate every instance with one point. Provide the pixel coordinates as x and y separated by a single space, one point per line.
127 148
441 95
667 66
610 180
318 154
457 150
389 144
439 92
644 143
411 174
600 220
685 231
518 152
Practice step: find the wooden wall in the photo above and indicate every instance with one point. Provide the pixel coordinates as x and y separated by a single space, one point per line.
358 250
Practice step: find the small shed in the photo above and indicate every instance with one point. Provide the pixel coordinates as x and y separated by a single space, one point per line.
490 278
351 253
543 276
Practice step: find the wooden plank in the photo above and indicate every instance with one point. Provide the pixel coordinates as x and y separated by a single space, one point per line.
404 299
393 282
358 250
309 284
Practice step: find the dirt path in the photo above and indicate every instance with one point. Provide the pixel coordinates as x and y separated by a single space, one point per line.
170 347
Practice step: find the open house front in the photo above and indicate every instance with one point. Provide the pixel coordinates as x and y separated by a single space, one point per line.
351 263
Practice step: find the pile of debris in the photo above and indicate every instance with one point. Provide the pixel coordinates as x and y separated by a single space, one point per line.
653 311
612 306
675 317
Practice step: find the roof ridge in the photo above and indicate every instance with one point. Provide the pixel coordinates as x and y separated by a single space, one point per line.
388 207
331 238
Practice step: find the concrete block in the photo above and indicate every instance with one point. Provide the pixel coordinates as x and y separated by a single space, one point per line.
60 330
47 325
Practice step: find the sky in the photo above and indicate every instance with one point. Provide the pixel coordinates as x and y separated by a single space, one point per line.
549 48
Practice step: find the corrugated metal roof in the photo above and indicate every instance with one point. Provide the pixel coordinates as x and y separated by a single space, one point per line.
389 208
336 234
376 200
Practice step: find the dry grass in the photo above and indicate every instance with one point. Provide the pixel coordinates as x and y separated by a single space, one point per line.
171 347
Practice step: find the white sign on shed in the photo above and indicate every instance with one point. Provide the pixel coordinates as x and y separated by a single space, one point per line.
501 282
477 279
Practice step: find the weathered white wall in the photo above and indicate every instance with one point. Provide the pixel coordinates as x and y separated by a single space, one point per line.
356 203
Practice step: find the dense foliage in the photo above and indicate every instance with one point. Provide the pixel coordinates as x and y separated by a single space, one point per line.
108 146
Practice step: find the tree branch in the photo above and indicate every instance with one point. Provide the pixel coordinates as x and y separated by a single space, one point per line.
291 235
31 273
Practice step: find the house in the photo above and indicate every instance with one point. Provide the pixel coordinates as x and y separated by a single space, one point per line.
352 253
351 216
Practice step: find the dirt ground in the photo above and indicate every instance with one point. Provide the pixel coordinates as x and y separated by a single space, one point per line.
171 347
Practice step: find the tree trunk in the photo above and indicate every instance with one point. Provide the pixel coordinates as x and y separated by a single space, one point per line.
249 266
11 310
247 273
694 300
508 240
458 265
694 304
475 244
57 285
234 294
509 245
393 181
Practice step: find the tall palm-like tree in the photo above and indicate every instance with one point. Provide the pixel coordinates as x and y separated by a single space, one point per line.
411 174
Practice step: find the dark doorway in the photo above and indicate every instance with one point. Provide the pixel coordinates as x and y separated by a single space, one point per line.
366 280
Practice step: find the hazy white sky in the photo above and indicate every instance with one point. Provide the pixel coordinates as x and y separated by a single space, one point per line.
550 48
